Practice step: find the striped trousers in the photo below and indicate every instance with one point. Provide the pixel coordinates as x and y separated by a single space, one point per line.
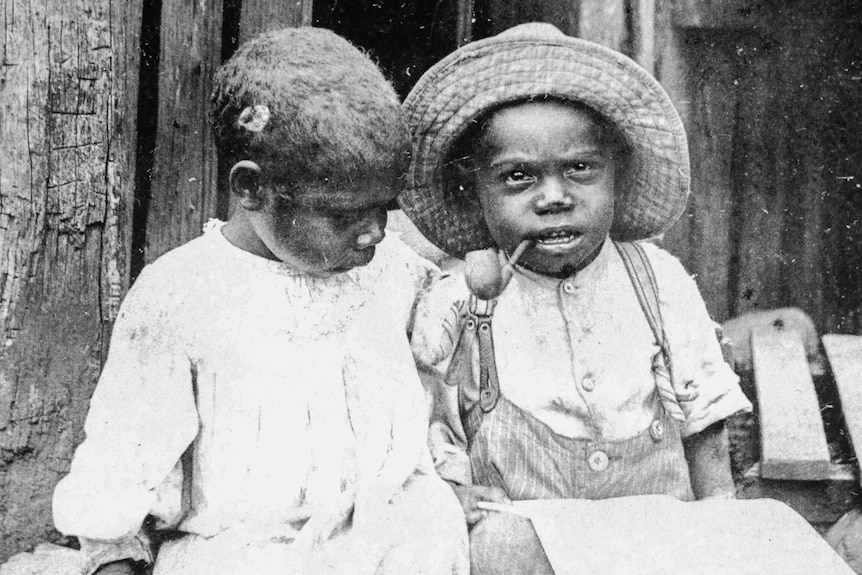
518 453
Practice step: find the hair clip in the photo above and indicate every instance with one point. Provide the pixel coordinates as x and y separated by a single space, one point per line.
254 119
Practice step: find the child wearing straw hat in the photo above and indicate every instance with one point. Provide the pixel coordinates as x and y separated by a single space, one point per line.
260 410
588 367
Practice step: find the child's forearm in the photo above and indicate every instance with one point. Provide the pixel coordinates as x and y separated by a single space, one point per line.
123 567
708 456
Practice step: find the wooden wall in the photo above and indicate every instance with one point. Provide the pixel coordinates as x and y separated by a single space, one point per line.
770 96
68 95
108 162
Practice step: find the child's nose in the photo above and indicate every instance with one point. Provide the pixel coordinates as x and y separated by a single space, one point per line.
553 196
373 232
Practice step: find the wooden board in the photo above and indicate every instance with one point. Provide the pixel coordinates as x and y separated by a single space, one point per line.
68 124
793 441
265 15
642 24
184 188
845 357
603 22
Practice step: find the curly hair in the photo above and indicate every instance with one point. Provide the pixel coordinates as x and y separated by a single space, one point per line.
308 106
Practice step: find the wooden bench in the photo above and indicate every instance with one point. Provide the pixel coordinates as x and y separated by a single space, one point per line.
796 465
845 357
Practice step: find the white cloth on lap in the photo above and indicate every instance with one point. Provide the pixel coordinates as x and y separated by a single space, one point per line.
657 534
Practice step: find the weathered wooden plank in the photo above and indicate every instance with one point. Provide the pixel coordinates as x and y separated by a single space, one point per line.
672 71
563 14
834 66
845 357
184 184
759 200
68 106
265 15
603 22
793 440
710 95
720 14
642 25
802 156
466 16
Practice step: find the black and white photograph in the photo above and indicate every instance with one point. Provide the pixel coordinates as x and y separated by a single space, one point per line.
430 287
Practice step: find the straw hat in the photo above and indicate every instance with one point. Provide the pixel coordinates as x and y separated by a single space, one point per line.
534 60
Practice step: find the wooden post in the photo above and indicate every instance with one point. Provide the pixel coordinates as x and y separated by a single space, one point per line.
265 15
563 14
603 22
184 188
758 210
68 99
642 27
712 112
464 24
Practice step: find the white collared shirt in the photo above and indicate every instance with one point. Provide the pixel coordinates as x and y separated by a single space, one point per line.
577 353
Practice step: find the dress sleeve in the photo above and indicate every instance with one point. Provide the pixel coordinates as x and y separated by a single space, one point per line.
707 388
439 318
142 417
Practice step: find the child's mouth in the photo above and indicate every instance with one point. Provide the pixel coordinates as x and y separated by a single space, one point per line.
557 238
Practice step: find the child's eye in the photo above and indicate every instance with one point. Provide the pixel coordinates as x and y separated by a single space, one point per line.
583 171
580 167
518 177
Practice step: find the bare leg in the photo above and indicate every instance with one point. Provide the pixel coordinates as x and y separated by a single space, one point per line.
504 543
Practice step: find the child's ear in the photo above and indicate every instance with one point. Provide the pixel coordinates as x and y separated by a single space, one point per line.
244 179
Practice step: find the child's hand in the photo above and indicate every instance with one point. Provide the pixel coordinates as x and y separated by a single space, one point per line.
470 495
125 567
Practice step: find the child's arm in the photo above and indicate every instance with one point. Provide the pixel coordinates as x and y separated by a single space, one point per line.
124 567
142 417
708 456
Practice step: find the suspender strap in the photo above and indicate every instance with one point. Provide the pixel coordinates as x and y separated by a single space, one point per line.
489 383
476 332
646 288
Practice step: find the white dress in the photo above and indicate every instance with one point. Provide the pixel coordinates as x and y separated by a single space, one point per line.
274 418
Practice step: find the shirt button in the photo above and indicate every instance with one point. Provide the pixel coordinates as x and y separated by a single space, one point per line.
598 460
568 288
588 383
656 430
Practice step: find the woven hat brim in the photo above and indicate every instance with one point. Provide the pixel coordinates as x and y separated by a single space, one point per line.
652 191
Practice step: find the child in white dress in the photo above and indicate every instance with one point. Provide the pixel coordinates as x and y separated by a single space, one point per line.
260 410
